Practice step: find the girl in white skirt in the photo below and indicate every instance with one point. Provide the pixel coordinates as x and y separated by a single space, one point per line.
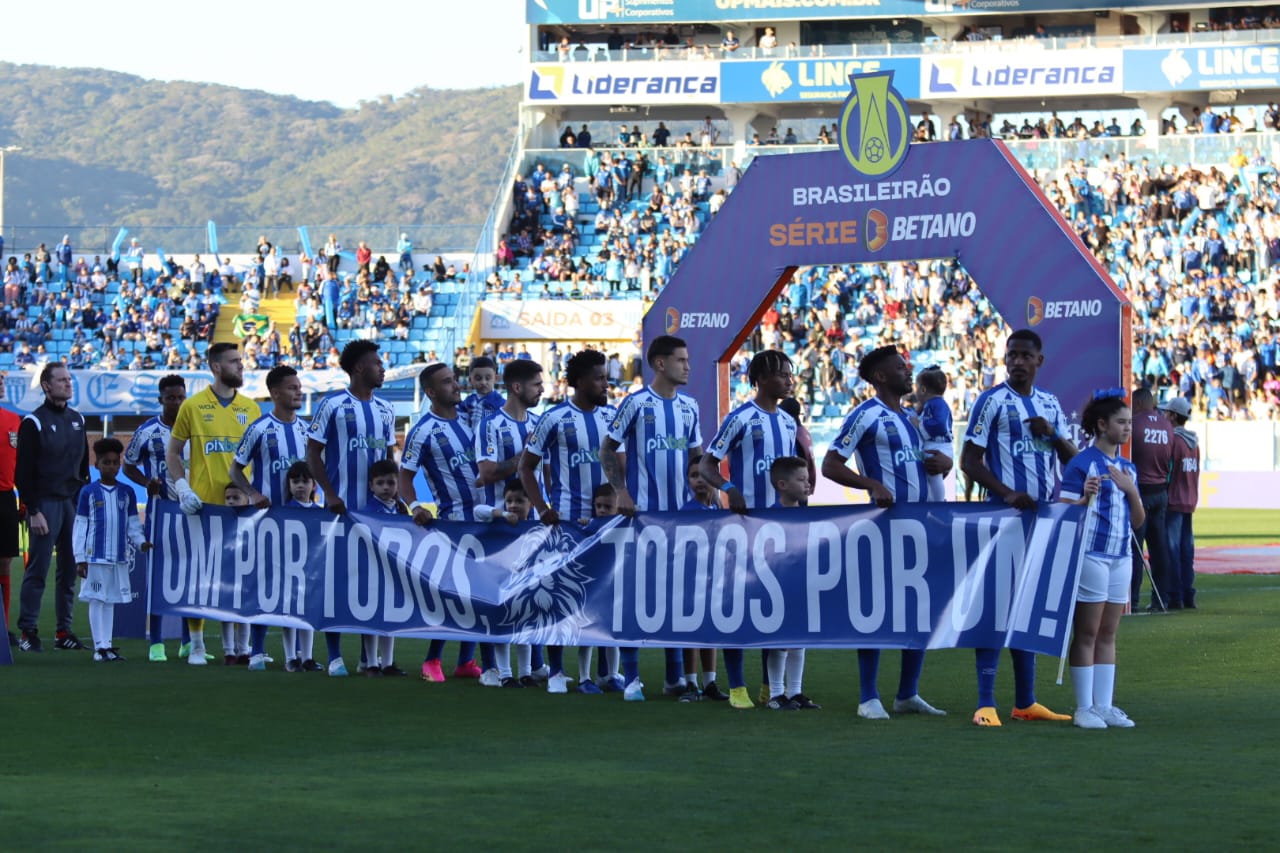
105 531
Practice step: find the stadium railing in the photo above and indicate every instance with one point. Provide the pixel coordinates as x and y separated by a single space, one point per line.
458 326
930 45
1033 154
90 240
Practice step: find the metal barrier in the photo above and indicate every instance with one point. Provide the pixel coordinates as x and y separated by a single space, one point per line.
90 240
887 46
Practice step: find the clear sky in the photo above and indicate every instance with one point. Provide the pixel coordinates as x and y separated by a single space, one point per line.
318 50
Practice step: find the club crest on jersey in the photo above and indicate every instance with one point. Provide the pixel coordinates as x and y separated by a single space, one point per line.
13 440
544 598
242 418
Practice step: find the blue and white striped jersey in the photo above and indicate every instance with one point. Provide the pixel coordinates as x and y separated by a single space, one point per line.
935 425
271 446
444 451
502 437
1107 521
658 434
751 438
888 449
106 524
355 433
146 450
377 506
474 409
568 440
1017 458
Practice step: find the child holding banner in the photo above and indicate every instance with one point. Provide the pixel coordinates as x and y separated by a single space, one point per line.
1101 479
515 508
384 498
705 497
790 478
299 655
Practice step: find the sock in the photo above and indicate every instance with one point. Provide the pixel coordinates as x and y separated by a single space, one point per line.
435 649
502 657
909 675
691 678
197 637
242 638
535 657
258 639
584 663
306 643
333 642
630 664
488 660
369 651
613 659
5 581
555 658
1082 686
108 622
524 660
186 630
229 638
795 672
764 665
195 625
733 665
675 666
709 677
1104 685
987 663
602 663
95 624
466 652
776 668
1024 677
868 671
386 651
289 640
153 629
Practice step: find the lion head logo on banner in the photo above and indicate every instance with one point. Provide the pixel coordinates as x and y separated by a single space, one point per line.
547 591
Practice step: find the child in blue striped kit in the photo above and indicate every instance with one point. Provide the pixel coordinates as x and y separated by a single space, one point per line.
105 530
1099 478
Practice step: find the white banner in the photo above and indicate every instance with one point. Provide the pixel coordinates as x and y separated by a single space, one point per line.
136 392
560 320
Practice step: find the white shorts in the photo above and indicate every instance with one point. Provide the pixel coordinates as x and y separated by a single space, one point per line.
1105 578
107 582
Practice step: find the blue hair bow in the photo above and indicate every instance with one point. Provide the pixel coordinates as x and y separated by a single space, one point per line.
1105 393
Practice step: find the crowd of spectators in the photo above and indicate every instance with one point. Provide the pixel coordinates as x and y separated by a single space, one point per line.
116 313
1197 251
378 303
86 314
638 219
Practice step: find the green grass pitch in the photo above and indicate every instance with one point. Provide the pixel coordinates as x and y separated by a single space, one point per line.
142 756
